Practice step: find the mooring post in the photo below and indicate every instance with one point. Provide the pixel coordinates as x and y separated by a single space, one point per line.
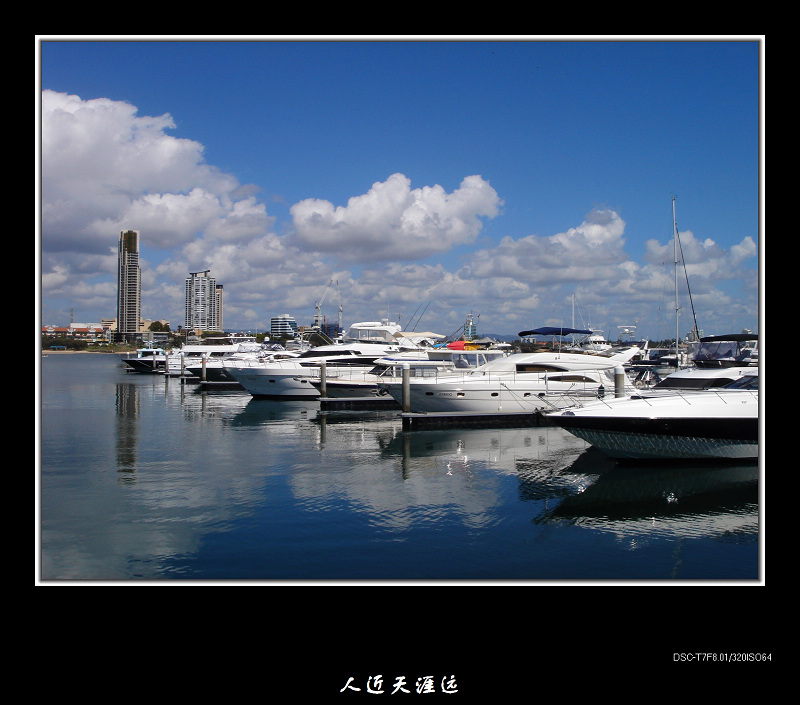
619 381
406 388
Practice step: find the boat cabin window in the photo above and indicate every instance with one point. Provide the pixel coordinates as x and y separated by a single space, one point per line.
531 367
326 353
571 378
397 371
369 335
357 361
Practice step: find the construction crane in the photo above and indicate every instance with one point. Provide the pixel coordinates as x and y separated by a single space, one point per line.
318 318
318 306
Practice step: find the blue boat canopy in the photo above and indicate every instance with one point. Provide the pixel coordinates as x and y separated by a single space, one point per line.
553 331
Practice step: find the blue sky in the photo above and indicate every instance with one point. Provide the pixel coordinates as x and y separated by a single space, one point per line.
495 177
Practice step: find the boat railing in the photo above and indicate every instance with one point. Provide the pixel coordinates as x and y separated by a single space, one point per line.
256 361
588 377
689 396
555 401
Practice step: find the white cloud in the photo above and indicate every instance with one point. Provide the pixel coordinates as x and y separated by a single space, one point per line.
392 221
588 252
106 168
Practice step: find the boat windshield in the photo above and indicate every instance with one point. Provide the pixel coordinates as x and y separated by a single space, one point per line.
722 353
370 335
699 382
464 360
746 382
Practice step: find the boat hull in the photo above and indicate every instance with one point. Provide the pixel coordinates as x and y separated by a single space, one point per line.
350 390
275 384
145 365
284 380
721 424
213 373
519 382
665 438
480 398
292 379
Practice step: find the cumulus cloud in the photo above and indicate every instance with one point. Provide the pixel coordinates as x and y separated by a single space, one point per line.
705 260
583 253
392 221
105 168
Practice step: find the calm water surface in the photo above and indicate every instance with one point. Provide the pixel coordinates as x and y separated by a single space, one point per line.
143 478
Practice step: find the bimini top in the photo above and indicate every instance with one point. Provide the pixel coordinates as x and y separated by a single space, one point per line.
553 331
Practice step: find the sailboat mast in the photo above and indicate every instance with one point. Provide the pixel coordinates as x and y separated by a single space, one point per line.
573 316
675 257
677 248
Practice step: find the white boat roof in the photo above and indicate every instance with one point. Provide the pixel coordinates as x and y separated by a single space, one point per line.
566 361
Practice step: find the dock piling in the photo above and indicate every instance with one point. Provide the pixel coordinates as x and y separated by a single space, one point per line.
406 388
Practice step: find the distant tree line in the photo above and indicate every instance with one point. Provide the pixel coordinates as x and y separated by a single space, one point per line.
49 341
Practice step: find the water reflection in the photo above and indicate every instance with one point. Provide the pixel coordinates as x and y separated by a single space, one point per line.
718 501
126 407
364 454
147 477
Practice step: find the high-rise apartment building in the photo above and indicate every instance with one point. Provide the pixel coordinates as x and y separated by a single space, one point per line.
129 283
283 326
203 302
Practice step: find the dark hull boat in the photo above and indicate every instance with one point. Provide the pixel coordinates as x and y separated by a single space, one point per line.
147 360
709 424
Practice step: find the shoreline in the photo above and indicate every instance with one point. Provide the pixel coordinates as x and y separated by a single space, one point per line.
91 352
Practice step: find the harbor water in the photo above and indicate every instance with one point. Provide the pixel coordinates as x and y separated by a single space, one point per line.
143 478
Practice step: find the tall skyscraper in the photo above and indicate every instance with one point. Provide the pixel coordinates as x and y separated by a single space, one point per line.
129 283
203 302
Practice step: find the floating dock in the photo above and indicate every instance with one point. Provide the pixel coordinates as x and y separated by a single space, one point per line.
218 385
466 419
452 419
384 403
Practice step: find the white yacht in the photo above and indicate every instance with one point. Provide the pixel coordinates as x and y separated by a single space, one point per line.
519 382
719 423
421 364
291 378
212 369
714 361
214 348
147 360
595 342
